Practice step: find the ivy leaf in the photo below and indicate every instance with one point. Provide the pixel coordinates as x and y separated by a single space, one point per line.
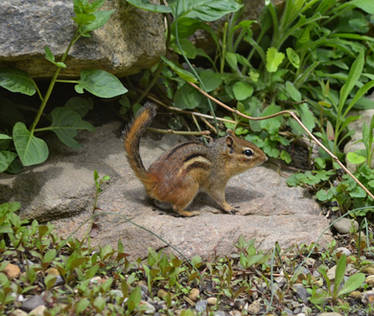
355 158
16 80
30 149
271 125
79 105
293 92
365 5
273 59
187 97
211 80
66 123
100 83
307 117
242 90
6 158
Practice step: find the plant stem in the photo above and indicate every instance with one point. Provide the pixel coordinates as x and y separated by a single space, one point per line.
67 81
52 84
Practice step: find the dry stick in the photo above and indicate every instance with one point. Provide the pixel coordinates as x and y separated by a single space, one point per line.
171 131
296 118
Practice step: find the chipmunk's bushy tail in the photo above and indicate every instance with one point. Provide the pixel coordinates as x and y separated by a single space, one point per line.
134 132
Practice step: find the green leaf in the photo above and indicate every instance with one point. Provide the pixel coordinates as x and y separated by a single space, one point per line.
293 57
49 255
146 5
101 83
271 125
184 74
187 97
80 105
82 305
242 90
51 58
65 124
353 283
365 5
5 136
205 10
16 80
355 158
273 59
99 303
293 92
50 281
353 77
101 17
211 80
30 149
134 299
307 117
232 60
339 273
6 158
323 195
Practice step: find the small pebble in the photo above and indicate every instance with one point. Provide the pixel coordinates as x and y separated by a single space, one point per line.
301 292
194 294
18 312
200 306
212 301
329 314
219 313
343 251
147 308
368 297
310 262
161 293
344 225
370 280
355 294
32 302
300 314
369 270
97 280
54 272
38 311
235 313
254 307
12 271
331 273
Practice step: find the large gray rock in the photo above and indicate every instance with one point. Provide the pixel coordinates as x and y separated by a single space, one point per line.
269 211
131 40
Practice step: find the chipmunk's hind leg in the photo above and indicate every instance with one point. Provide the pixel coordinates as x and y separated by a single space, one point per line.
184 195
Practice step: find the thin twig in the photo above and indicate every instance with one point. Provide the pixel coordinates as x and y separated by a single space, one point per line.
296 118
171 131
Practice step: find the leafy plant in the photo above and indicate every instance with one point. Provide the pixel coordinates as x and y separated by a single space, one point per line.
67 120
338 288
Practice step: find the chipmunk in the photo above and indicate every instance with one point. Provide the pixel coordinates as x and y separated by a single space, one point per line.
178 175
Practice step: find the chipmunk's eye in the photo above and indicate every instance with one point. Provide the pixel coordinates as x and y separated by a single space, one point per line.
248 152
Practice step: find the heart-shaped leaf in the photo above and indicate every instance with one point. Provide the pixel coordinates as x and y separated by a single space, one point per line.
66 123
30 149
16 80
6 158
100 83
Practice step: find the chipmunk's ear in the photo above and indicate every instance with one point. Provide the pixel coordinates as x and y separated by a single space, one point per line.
230 140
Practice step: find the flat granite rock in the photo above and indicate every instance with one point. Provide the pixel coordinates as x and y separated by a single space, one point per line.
269 211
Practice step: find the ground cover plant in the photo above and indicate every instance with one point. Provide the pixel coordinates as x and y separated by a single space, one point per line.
68 277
